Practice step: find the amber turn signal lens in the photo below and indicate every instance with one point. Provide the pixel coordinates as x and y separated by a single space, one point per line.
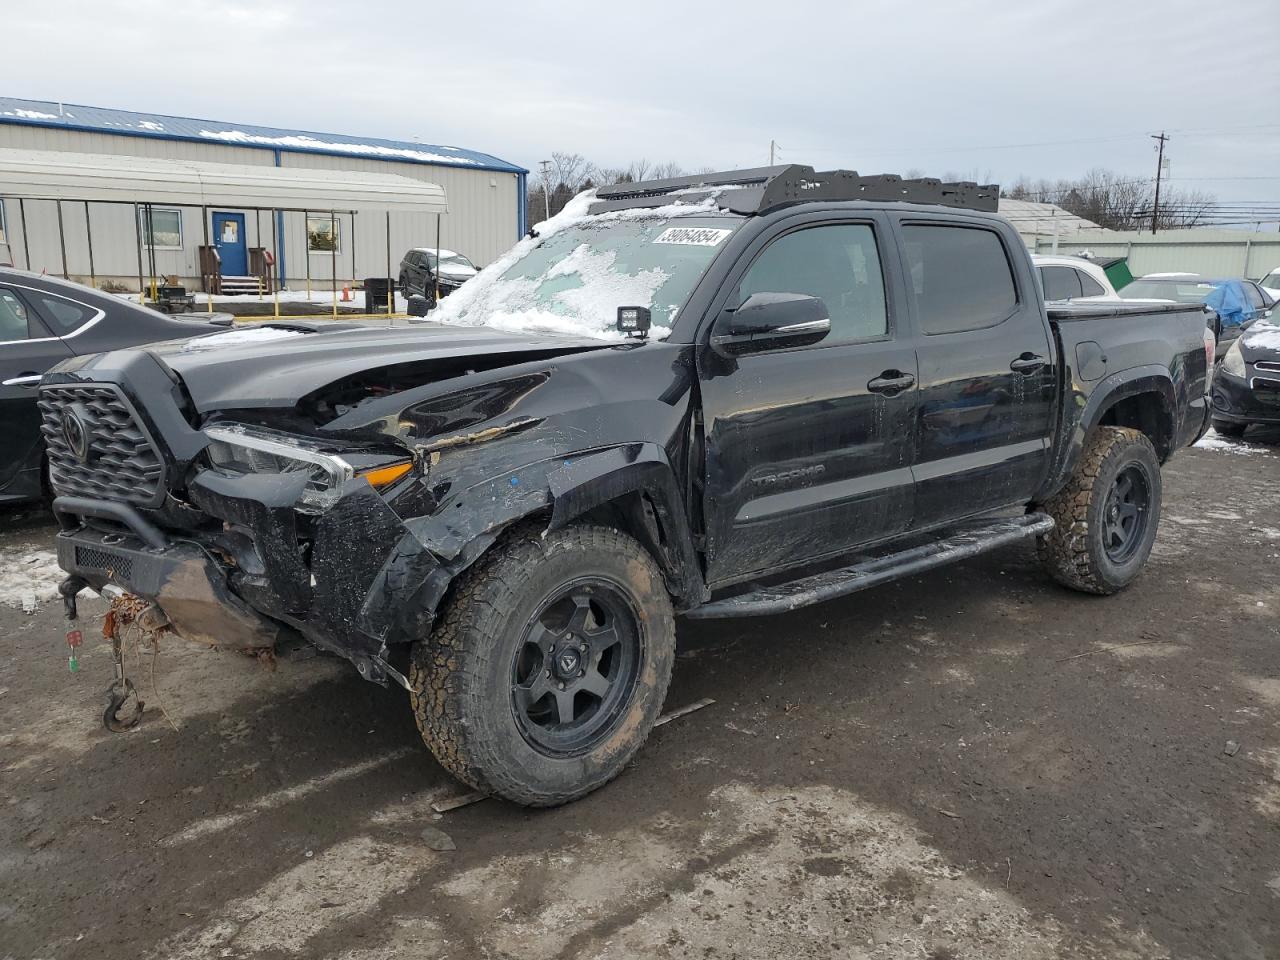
385 476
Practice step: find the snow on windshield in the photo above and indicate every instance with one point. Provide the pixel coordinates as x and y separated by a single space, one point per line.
572 278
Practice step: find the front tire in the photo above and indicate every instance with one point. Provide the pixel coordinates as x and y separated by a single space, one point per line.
548 665
1229 429
1107 515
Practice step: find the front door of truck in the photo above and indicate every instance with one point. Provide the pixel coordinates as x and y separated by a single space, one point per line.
807 450
987 379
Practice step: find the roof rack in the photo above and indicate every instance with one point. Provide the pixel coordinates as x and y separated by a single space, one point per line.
762 189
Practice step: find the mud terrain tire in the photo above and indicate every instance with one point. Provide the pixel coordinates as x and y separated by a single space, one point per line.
1106 515
540 629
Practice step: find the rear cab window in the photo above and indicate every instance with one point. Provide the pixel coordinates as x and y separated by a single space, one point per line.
959 277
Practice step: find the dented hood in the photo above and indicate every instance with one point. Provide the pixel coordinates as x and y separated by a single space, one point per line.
275 365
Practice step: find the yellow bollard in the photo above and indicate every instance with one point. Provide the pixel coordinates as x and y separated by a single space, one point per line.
276 288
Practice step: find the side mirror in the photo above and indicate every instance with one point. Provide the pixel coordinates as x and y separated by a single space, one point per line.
771 321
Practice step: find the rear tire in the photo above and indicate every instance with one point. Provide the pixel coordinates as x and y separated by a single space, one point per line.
1106 516
1229 429
548 665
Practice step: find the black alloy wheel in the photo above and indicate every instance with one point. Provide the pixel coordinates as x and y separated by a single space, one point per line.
1126 513
572 675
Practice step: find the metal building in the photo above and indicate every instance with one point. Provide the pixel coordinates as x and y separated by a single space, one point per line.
485 196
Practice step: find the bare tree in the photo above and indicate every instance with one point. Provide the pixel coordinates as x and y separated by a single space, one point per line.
1116 202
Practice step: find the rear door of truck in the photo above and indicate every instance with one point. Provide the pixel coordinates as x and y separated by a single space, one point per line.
987 366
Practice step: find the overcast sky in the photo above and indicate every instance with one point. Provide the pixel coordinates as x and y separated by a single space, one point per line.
988 89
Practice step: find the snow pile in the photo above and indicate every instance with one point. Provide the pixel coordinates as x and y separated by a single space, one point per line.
150 125
1215 441
590 308
304 142
235 338
28 577
1262 336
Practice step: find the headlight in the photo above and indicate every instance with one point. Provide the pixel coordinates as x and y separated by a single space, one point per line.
244 449
1233 362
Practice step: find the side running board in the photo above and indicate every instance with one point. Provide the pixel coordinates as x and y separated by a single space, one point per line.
956 543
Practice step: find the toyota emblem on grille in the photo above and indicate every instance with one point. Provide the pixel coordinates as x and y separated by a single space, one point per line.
76 432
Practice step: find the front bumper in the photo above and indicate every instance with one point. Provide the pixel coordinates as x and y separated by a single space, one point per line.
353 580
181 578
1252 400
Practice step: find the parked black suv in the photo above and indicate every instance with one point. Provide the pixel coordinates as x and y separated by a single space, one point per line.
847 379
431 273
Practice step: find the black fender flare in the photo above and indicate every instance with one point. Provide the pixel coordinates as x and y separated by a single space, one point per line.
638 479
1149 378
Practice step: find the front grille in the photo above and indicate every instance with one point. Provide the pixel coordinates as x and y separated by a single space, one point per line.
119 566
1271 365
120 463
1266 391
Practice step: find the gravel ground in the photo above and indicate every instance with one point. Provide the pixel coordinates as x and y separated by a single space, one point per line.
969 764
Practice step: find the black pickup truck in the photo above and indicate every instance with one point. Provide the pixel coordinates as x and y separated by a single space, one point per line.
803 384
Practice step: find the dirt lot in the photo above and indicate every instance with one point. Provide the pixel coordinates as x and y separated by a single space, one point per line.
971 764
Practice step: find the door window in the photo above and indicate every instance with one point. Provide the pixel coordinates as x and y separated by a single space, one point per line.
1256 300
1060 283
13 317
1090 287
960 276
838 263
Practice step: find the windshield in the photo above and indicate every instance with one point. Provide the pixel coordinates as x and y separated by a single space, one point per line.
1181 291
448 260
1271 281
575 280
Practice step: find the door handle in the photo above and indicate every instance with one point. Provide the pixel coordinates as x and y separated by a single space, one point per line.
891 382
1027 363
28 378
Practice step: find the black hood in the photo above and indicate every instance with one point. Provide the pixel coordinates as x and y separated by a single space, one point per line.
1261 341
275 365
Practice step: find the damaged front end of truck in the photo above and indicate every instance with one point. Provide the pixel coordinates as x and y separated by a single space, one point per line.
342 506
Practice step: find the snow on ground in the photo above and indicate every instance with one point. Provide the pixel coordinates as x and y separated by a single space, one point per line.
28 577
1216 441
234 338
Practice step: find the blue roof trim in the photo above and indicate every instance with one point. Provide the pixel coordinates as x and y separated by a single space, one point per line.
72 116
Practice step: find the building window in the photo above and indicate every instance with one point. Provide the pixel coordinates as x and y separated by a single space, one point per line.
166 225
324 235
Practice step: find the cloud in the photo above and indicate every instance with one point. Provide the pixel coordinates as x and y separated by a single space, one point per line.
873 85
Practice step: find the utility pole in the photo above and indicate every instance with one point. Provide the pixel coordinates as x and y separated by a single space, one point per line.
546 184
1155 206
773 146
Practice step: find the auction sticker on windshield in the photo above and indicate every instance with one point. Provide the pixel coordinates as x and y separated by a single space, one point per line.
695 236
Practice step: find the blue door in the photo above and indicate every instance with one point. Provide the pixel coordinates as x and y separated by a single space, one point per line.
228 238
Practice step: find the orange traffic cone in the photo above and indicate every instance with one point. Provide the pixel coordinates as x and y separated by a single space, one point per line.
346 293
